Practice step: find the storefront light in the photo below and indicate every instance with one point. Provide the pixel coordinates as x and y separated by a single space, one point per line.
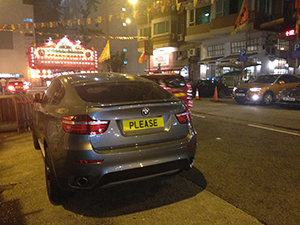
272 64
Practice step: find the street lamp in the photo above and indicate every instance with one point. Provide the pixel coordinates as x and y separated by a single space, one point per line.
133 2
128 20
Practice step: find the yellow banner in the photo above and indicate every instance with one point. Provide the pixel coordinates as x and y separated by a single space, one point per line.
106 53
242 18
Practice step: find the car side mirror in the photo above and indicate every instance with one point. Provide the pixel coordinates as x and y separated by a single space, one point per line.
281 82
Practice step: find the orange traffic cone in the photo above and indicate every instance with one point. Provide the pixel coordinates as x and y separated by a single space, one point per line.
216 94
197 93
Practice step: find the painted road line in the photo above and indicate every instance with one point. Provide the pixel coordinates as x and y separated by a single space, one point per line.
272 129
197 115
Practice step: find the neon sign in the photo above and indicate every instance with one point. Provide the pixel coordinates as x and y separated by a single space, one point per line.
63 54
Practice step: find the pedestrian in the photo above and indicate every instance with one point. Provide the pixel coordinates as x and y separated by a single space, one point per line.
3 83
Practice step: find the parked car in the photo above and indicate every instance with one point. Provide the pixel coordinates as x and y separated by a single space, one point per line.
16 86
290 96
233 78
106 128
175 84
206 88
264 89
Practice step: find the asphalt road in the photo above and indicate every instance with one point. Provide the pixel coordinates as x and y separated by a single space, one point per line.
250 158
246 172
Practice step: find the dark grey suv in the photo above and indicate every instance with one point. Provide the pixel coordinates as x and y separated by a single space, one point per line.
105 128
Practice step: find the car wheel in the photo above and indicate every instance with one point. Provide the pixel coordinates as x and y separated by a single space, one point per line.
35 141
267 99
221 93
240 101
55 194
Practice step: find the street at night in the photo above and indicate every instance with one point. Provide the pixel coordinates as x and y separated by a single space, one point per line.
94 93
246 172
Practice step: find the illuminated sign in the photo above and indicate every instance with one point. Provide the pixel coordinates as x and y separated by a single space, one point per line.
290 33
63 54
162 60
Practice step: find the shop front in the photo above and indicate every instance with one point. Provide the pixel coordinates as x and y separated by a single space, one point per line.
164 61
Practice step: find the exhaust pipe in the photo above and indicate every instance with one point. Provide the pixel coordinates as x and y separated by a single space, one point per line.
81 181
192 162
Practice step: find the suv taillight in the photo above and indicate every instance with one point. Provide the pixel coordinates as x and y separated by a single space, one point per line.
184 117
83 124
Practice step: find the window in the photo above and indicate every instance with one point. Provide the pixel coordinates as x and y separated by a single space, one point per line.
227 7
251 45
145 32
54 94
219 9
199 16
161 28
216 50
281 66
124 49
122 92
288 79
283 45
265 6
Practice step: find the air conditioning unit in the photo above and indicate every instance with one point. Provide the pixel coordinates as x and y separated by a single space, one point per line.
192 52
180 37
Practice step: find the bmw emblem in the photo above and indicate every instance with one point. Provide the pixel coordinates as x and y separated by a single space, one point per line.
145 111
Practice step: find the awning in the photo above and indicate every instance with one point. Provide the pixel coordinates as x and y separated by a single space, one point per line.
238 65
223 59
211 59
230 58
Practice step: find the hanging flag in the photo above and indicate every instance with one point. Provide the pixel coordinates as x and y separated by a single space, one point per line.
143 58
106 53
195 3
297 8
242 18
178 6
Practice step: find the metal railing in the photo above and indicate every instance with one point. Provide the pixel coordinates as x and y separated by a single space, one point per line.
16 112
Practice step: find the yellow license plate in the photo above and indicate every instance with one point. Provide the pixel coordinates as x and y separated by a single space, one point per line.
129 125
177 95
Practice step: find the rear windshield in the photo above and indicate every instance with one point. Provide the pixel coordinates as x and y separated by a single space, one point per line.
172 82
265 79
175 82
20 83
110 93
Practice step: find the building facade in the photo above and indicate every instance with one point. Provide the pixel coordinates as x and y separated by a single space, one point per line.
197 36
16 36
110 20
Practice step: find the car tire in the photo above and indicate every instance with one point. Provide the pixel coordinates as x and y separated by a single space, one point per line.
240 101
267 99
35 141
55 194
